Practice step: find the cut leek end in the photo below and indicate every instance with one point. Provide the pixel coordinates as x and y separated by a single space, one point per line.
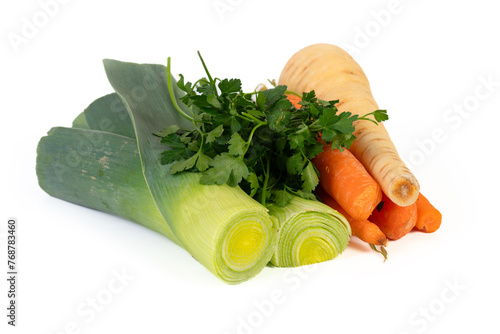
247 246
314 250
243 244
310 237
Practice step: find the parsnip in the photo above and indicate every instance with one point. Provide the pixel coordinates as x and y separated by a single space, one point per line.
334 75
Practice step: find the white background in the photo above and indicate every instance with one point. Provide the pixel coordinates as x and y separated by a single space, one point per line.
425 60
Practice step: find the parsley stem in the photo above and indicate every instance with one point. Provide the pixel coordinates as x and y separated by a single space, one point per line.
272 82
364 118
250 117
289 92
212 82
172 95
251 134
246 118
306 159
197 81
200 150
264 186
373 113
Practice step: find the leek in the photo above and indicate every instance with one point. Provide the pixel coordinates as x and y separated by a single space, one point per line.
99 170
309 232
223 228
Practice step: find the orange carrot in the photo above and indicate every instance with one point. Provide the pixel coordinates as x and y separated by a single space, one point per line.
345 179
428 217
394 220
295 100
357 202
361 228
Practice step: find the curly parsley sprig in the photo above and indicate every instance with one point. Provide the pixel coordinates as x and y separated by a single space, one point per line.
259 141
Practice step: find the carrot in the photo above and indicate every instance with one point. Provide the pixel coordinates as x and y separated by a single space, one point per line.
333 74
428 217
295 100
361 228
394 220
345 179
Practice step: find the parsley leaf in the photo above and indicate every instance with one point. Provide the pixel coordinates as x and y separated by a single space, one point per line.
279 115
173 141
168 130
225 168
281 197
236 145
380 115
170 156
298 137
203 162
295 164
215 133
183 165
230 86
310 178
253 180
274 94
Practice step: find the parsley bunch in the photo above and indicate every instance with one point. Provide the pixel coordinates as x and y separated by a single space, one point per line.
259 141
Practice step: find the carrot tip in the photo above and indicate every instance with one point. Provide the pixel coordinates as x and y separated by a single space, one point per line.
382 241
381 251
